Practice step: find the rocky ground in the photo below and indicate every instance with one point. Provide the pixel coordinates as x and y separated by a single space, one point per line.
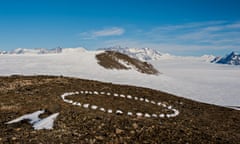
196 123
116 60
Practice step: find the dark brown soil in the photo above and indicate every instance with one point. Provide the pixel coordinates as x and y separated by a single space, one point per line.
110 60
196 123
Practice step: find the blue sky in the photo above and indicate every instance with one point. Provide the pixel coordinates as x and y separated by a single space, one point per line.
181 27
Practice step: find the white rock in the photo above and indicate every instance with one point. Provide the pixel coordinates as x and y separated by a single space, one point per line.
121 95
130 113
119 112
164 105
153 102
168 115
139 114
154 115
94 107
74 103
109 111
129 97
85 105
147 115
176 112
70 101
102 109
162 115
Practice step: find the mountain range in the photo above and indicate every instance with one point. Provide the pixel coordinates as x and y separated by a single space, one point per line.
32 51
143 54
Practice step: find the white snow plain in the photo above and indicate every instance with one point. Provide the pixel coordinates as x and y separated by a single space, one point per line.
189 77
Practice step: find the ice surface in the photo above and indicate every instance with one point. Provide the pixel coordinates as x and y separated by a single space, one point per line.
189 77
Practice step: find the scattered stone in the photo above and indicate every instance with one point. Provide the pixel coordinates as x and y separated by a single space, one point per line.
33 132
118 131
99 138
132 132
130 113
14 138
135 125
17 129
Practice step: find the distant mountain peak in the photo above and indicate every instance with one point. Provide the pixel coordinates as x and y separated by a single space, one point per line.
232 58
233 53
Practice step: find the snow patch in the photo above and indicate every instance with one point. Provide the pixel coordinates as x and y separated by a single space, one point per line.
38 124
33 117
46 123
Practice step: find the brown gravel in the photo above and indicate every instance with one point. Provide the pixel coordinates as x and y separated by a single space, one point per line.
196 123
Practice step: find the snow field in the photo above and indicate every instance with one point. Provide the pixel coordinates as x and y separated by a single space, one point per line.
174 113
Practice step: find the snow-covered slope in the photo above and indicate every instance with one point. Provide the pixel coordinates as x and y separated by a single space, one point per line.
208 58
143 54
232 59
32 51
43 51
189 77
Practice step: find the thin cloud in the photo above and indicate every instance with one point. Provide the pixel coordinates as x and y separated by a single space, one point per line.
178 49
203 33
176 39
188 26
114 31
234 26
